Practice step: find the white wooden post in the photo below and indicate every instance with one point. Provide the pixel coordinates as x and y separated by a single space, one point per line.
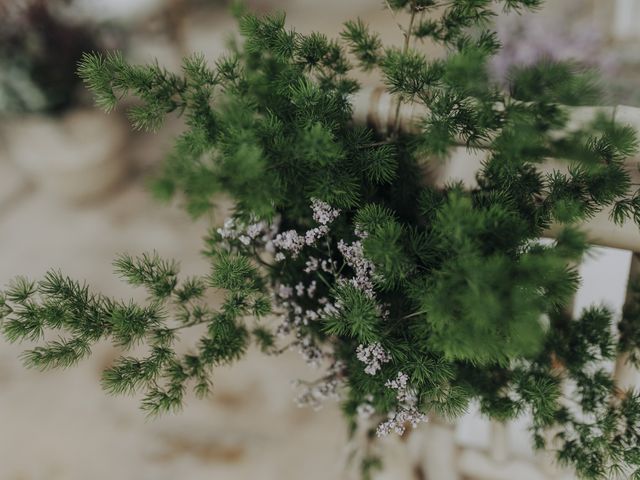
499 442
626 20
440 451
373 107
625 374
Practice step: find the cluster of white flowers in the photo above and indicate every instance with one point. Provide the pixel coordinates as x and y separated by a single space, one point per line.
295 317
284 291
398 420
256 232
407 413
310 352
399 383
285 297
292 243
311 289
314 394
313 235
353 255
363 268
311 265
323 213
365 410
373 356
403 393
329 308
314 264
360 233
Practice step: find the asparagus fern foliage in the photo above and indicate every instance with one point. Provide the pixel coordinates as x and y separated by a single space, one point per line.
414 301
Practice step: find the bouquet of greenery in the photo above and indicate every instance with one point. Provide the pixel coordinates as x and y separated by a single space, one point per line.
413 301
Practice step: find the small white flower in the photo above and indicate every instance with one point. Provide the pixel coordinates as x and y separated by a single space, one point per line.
289 241
284 291
399 383
373 356
311 290
255 229
311 265
323 213
398 420
365 411
364 269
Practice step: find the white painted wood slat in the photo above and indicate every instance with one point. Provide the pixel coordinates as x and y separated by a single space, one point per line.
374 107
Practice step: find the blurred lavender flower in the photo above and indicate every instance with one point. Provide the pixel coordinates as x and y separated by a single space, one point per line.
530 37
570 33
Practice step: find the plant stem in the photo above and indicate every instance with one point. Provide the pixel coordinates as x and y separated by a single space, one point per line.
259 260
324 280
405 48
414 314
393 14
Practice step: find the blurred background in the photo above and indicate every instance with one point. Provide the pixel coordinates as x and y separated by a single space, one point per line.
72 196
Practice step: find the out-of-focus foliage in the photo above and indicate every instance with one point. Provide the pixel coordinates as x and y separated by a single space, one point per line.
39 50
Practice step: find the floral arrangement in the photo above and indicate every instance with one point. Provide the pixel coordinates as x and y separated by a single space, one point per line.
411 300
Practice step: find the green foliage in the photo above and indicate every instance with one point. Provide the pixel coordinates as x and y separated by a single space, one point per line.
156 275
554 82
60 305
385 245
420 300
359 319
110 78
598 431
629 325
364 45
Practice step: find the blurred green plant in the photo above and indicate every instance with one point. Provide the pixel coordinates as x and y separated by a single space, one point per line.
39 50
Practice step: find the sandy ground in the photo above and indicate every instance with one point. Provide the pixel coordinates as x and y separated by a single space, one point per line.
61 425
